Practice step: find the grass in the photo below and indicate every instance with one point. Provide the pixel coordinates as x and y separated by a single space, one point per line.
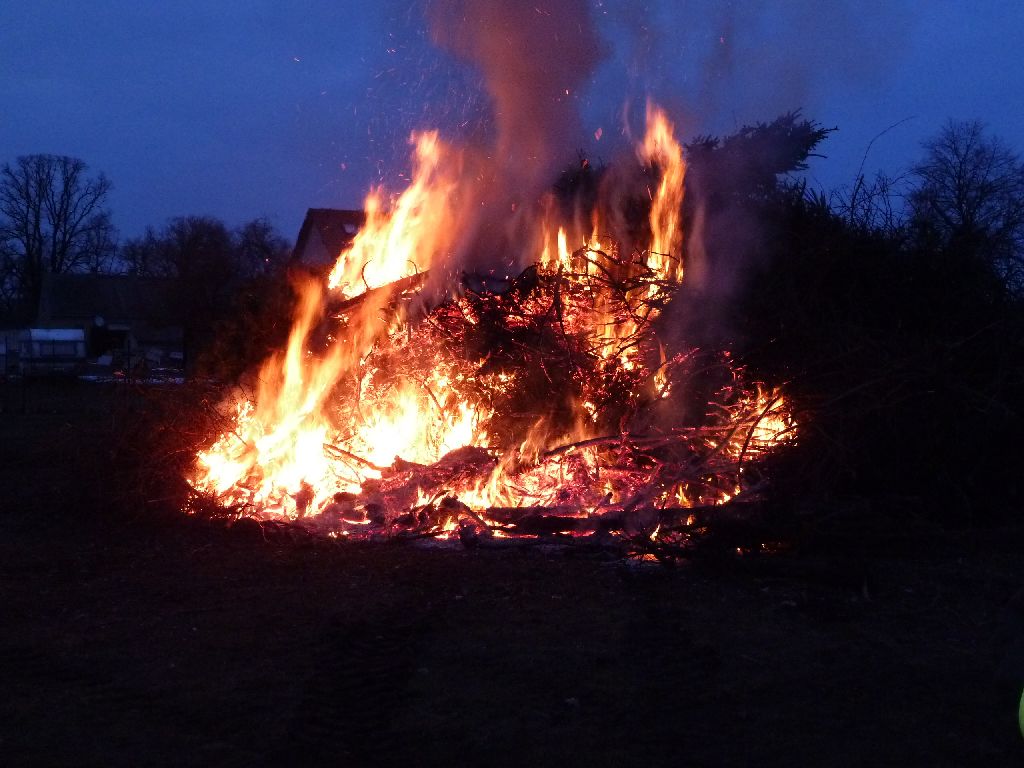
135 635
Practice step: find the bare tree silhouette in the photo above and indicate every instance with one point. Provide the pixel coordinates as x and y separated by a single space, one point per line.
52 219
970 198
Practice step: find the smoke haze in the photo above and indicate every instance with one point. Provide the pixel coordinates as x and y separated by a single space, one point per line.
538 81
535 59
723 64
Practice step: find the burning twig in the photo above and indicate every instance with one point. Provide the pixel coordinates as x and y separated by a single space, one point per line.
341 453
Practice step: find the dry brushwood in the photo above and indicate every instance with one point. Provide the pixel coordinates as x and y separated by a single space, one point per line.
527 352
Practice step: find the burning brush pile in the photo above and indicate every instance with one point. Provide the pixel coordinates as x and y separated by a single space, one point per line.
547 399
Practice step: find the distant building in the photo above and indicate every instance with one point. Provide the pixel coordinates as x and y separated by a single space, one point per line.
51 350
124 320
325 233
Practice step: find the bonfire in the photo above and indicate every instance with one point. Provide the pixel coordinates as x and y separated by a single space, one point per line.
537 400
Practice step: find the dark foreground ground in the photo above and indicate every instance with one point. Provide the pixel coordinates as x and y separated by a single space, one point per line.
141 637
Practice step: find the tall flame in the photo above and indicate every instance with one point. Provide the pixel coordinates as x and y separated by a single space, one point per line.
661 148
274 457
405 239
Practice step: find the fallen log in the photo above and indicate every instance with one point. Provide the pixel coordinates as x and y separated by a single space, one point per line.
337 306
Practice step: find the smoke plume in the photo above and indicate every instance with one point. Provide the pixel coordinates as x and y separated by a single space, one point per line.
535 59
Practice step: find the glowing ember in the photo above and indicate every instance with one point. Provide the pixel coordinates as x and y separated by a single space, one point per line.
550 390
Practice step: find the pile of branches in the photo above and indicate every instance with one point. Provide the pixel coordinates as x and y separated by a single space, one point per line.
671 433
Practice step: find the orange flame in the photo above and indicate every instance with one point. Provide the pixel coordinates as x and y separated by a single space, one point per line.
404 240
661 148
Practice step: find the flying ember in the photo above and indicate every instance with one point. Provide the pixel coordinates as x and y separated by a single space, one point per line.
416 395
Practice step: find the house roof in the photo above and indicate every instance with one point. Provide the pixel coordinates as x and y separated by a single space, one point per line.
336 228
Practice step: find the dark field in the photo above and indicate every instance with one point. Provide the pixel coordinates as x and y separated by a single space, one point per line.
133 635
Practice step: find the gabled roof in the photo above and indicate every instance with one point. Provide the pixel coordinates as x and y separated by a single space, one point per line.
335 227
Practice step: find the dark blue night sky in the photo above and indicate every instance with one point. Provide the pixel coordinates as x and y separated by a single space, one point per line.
258 108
